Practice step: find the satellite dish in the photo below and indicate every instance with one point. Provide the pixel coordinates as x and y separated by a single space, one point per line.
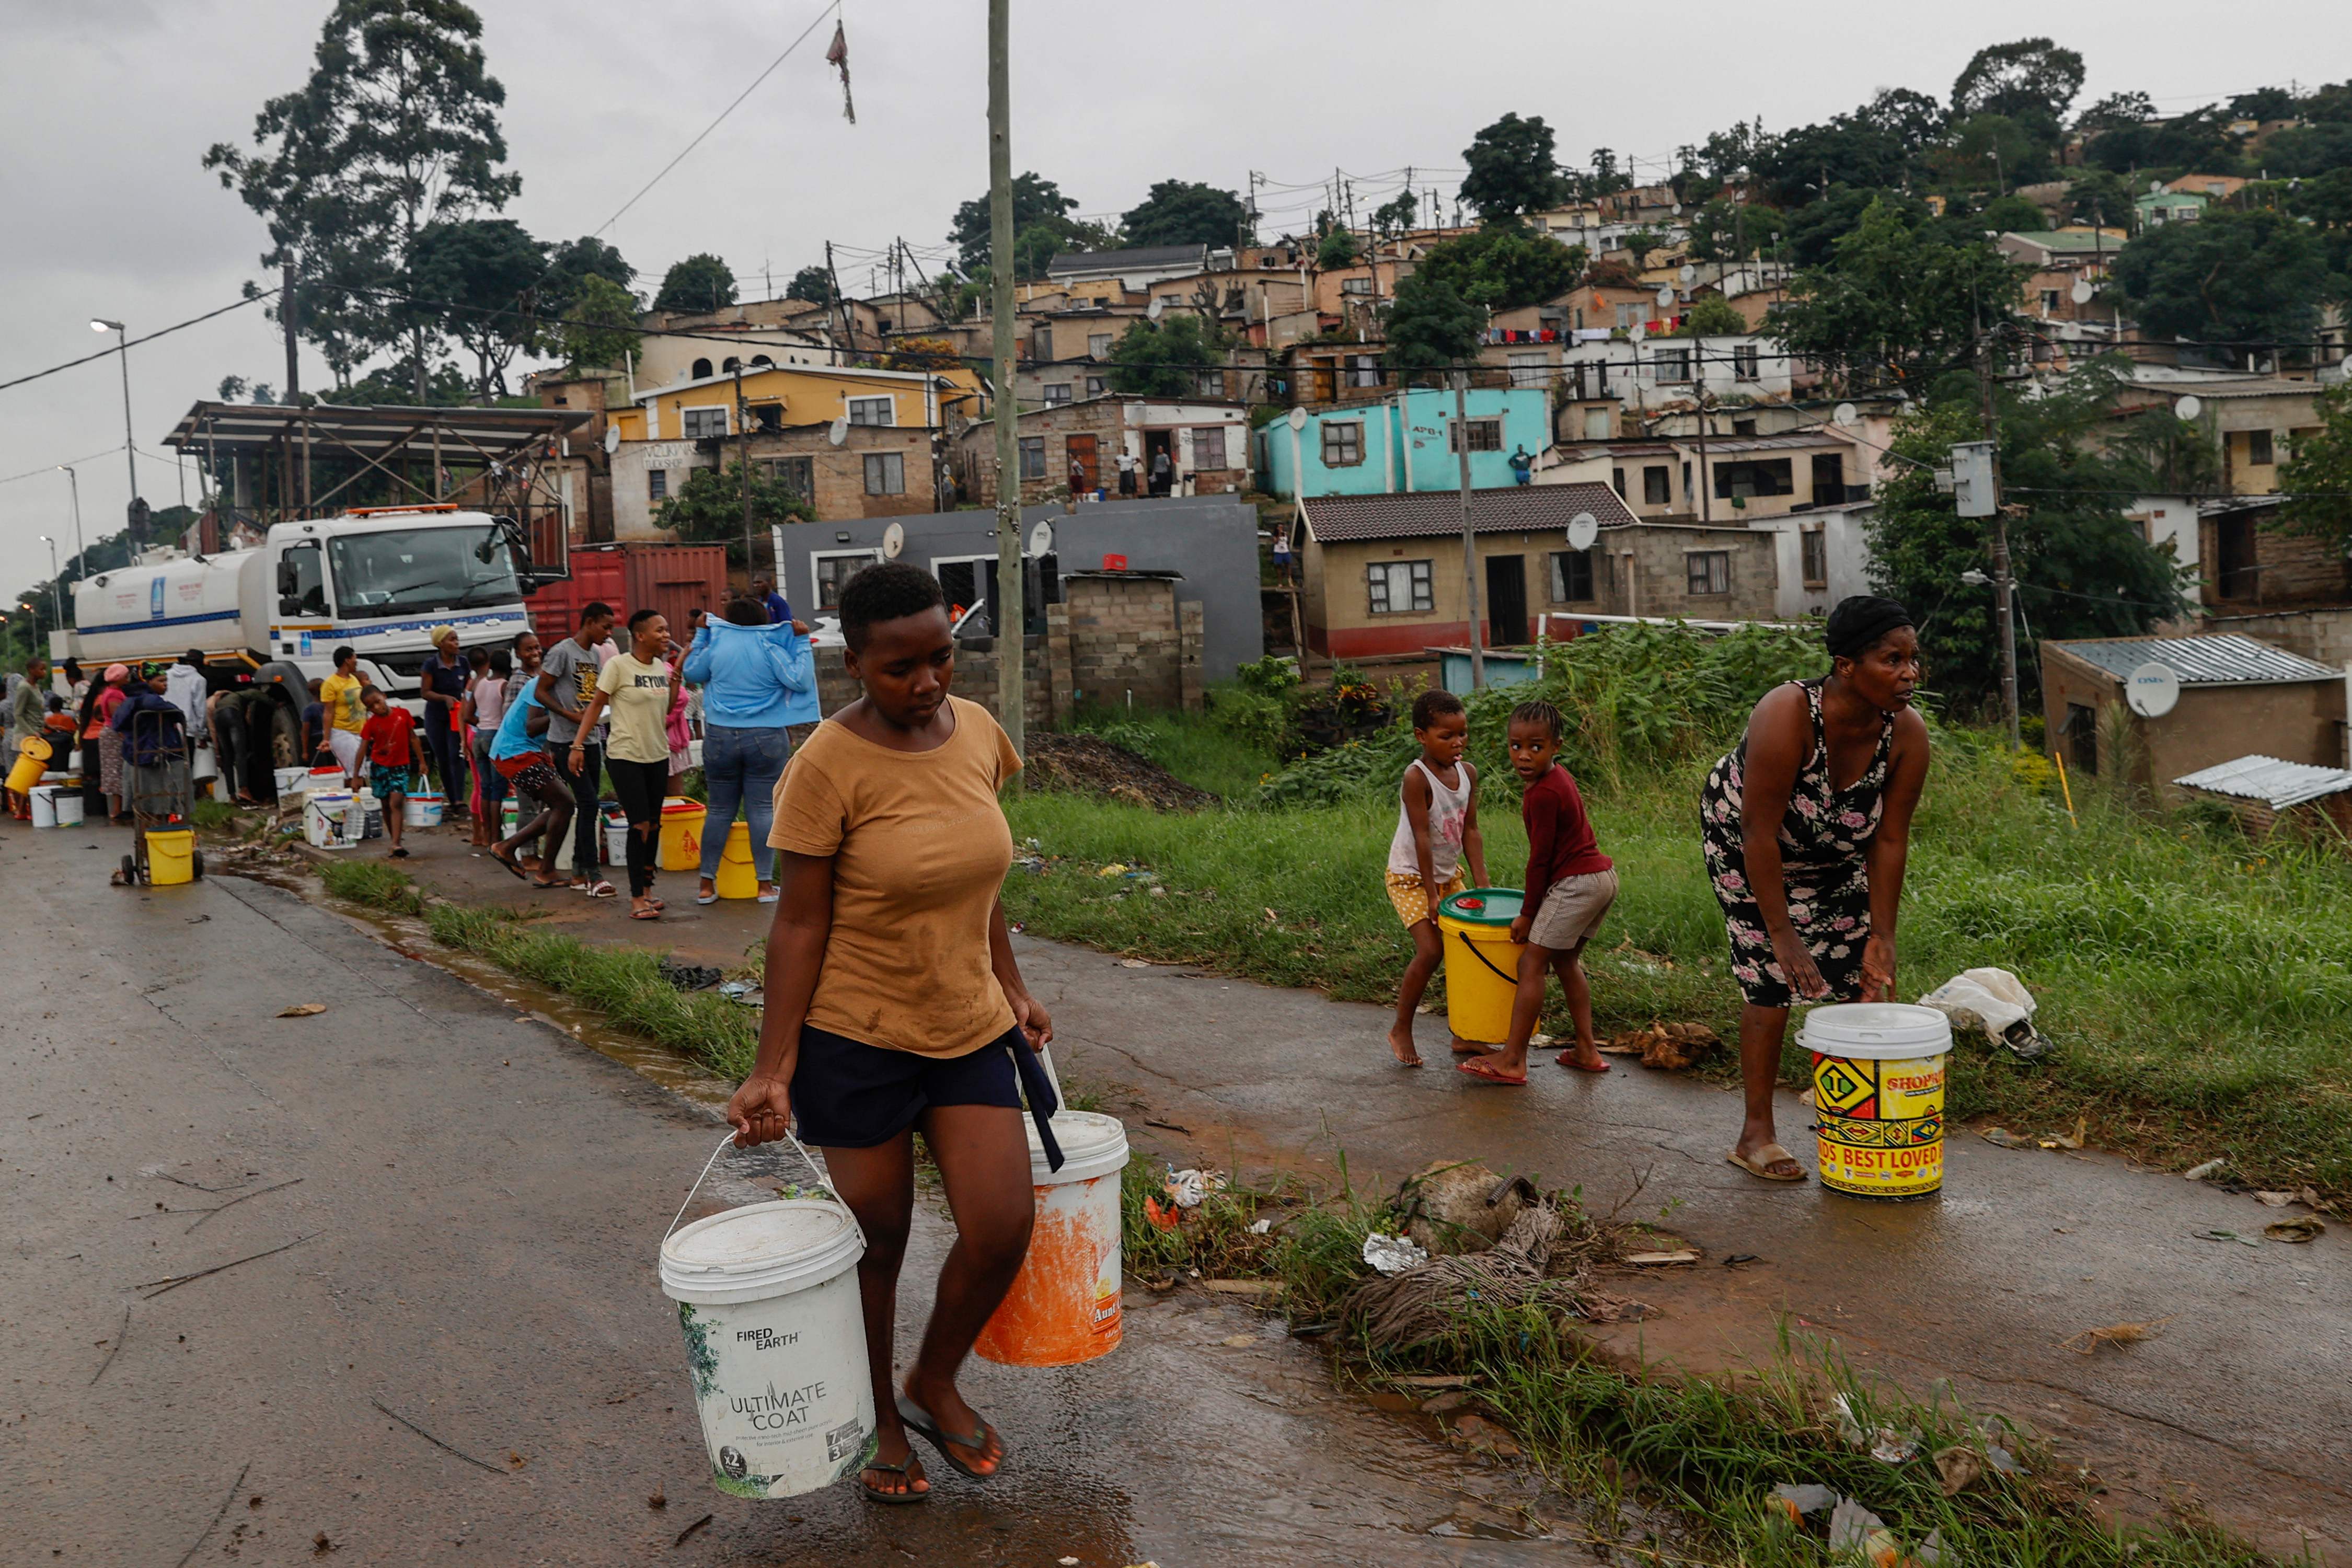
1583 530
1298 419
1678 208
1159 303
1040 539
2151 690
612 439
2155 188
1686 272
1665 295
2082 291
2069 333
2188 407
1638 330
840 431
1847 415
894 540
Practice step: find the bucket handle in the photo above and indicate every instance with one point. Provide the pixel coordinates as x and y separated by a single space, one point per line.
815 1169
1482 958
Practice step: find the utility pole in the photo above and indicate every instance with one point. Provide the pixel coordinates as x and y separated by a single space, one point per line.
1976 494
1705 484
743 458
1011 643
1469 541
289 319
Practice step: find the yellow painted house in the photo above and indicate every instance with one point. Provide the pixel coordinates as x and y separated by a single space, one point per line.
780 397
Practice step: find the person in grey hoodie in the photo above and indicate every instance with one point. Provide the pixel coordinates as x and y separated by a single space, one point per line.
756 679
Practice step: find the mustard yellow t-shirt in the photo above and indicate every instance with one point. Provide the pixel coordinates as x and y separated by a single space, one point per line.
341 695
919 850
636 694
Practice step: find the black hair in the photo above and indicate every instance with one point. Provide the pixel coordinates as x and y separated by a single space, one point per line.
745 613
73 669
886 591
344 652
595 609
639 617
478 657
1432 705
502 664
194 656
1541 712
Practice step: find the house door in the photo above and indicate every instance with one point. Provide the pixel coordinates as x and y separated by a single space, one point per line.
1155 444
2240 577
1082 454
1507 599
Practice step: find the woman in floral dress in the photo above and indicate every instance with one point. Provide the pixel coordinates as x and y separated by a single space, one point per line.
1806 827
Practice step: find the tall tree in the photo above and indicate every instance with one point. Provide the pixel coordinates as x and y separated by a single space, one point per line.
700 283
1431 327
570 265
709 508
1182 212
814 284
600 327
481 276
1899 303
1514 168
1502 267
2250 278
2100 197
2031 81
1037 202
395 131
1164 358
1398 214
2317 474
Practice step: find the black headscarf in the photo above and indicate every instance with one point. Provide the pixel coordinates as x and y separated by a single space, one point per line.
1861 620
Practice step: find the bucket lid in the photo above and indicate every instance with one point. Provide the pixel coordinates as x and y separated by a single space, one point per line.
678 806
1876 1031
1482 906
759 1250
1092 1145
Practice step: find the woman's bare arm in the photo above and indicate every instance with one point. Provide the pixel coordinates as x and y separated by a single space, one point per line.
761 1108
1027 1011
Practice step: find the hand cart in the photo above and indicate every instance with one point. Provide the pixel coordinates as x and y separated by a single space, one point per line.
161 790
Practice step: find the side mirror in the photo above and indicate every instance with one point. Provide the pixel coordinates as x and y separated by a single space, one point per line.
289 581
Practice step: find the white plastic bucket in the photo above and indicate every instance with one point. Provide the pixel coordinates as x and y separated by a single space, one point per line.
616 840
292 781
775 1343
1879 1070
56 805
1063 1306
324 812
424 809
316 780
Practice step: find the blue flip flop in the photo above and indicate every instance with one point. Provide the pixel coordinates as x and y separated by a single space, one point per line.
918 1421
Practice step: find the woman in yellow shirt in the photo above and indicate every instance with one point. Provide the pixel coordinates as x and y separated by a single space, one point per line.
895 1006
346 714
634 687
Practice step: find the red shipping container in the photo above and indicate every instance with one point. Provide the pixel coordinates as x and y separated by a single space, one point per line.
676 579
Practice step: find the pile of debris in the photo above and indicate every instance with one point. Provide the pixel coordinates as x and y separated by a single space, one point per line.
1092 766
1671 1048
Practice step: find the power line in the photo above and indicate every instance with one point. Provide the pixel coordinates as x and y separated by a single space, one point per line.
134 343
69 462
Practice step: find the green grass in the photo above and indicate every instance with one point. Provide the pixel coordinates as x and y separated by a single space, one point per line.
2198 986
215 813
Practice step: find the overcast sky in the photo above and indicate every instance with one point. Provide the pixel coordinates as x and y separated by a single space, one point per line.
107 106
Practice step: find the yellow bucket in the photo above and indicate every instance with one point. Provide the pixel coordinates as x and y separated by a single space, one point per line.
1878 1097
171 856
681 835
736 879
1482 961
31 762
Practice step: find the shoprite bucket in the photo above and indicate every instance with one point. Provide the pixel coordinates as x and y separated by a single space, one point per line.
1063 1306
735 877
424 809
1482 961
775 1343
681 834
1878 1097
171 856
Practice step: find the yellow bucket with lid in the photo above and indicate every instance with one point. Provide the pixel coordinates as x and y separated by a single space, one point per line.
1482 961
31 762
1878 1097
681 834
171 856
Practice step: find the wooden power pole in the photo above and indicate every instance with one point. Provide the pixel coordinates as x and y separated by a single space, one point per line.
1011 644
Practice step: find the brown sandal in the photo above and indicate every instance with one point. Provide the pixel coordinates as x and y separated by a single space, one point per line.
1759 1164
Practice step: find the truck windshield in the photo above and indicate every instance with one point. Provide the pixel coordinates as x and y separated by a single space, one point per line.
418 570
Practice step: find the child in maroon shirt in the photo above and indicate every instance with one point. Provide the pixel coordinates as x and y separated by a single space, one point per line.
1571 885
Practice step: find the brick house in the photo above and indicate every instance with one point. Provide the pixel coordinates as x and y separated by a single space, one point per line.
1207 446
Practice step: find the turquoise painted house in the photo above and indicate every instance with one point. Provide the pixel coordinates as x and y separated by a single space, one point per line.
1375 448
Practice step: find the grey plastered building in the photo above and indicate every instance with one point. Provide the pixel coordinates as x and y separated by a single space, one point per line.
1208 541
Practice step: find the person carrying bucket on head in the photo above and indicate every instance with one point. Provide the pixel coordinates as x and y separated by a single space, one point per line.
1571 885
1437 829
1806 827
895 1006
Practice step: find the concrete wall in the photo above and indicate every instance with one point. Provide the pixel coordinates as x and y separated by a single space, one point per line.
1845 538
975 678
2324 636
1117 425
1211 541
2300 722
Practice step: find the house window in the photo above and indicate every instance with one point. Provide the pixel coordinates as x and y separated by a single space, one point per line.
1486 435
1033 456
1829 478
701 424
1571 576
873 411
1658 485
762 362
730 364
768 416
1094 386
1041 341
1343 443
1775 476
1355 285
1710 570
2258 449
797 475
1743 428
1617 482
2050 301
1208 446
1398 587
1674 364
1099 345
1365 371
657 484
1056 394
701 368
834 568
1814 545
1744 359
1531 370
2082 732
886 474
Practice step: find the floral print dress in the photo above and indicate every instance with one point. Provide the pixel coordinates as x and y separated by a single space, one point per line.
1824 844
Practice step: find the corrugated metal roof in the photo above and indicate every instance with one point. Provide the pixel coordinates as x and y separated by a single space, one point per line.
2272 780
2201 661
1506 509
1115 260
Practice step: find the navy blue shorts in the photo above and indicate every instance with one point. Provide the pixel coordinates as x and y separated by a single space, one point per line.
851 1095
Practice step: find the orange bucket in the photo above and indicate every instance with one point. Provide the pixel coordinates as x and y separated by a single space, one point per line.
1063 1308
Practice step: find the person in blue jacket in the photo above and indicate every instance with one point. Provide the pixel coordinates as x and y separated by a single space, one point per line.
756 678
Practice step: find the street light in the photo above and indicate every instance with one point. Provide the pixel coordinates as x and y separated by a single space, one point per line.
122 347
57 598
81 557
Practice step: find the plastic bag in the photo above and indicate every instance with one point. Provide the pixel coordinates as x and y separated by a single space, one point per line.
1996 1001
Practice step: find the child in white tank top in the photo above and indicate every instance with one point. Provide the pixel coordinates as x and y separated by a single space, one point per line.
1437 830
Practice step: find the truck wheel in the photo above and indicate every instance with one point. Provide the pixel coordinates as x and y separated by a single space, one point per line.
285 737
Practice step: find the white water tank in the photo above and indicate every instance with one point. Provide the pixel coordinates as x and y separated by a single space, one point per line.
156 611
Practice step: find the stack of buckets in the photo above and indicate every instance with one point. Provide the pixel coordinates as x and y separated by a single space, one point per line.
56 805
775 1338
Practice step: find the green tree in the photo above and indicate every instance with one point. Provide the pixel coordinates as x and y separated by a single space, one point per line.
2100 197
812 283
2117 110
2317 474
1712 316
709 508
395 131
1183 212
1337 249
696 286
2032 82
1431 326
1725 230
1398 214
600 329
570 265
1899 303
1640 242
1042 228
2012 214
1514 169
1813 231
2250 278
1989 151
1164 358
482 274
1502 266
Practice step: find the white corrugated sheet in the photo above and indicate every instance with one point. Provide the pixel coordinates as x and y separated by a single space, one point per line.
2271 779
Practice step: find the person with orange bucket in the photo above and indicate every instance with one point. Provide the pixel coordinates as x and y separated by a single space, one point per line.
894 1004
